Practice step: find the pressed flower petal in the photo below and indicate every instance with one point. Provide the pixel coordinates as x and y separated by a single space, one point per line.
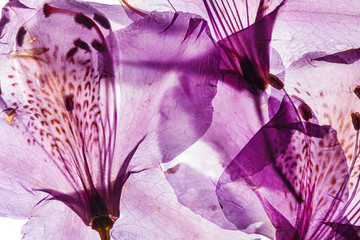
171 85
224 17
291 173
313 29
194 174
53 220
153 212
94 126
328 88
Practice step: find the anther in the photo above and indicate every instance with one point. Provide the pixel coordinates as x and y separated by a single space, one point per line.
305 111
355 117
274 81
357 91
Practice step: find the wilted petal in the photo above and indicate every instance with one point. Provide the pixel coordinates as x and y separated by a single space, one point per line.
287 165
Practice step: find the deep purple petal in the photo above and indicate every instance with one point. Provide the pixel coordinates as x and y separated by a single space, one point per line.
204 162
247 52
276 164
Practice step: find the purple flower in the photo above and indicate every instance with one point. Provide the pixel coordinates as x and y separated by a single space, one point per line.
296 43
88 113
297 170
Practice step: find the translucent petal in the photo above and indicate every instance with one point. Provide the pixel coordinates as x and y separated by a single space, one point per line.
238 115
313 29
170 85
291 174
150 210
223 17
89 107
54 220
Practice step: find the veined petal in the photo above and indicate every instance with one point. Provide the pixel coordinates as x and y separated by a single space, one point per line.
194 174
101 106
56 85
153 206
54 220
312 29
287 164
224 17
171 85
328 88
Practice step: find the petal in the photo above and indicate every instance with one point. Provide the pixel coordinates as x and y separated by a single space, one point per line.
24 169
55 86
328 88
166 86
54 220
312 28
289 176
238 115
150 210
223 18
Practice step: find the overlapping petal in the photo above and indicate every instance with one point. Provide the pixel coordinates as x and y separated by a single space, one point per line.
89 107
297 170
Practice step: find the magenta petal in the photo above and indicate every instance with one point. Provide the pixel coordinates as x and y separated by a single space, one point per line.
273 165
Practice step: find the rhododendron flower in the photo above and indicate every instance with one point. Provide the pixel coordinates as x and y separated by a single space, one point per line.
88 113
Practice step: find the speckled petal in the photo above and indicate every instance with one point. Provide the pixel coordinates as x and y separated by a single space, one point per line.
291 173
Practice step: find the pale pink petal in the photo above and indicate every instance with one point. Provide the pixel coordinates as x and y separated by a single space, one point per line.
150 210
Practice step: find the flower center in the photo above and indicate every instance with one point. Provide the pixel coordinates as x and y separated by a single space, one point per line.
102 224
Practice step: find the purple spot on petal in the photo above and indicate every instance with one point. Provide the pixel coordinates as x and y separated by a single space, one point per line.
69 103
71 52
